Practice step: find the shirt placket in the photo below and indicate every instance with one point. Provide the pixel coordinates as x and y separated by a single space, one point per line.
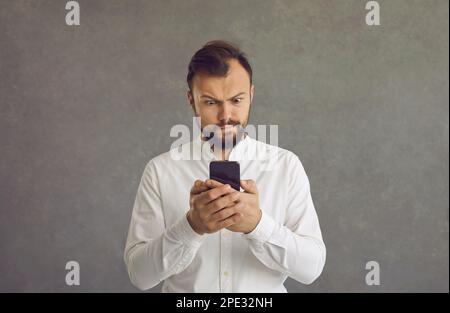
225 261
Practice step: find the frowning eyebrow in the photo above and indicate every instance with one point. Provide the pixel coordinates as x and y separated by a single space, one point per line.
212 98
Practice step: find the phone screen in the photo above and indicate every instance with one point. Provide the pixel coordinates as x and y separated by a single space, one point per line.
226 172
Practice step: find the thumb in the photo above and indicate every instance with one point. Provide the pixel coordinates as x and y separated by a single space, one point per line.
249 186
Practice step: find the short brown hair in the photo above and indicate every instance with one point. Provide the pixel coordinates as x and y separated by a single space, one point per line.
213 59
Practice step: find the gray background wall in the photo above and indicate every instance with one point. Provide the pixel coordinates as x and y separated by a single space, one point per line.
84 108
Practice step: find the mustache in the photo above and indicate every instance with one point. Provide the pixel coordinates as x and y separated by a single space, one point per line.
228 123
209 131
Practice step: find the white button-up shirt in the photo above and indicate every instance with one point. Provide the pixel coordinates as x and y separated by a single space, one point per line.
162 246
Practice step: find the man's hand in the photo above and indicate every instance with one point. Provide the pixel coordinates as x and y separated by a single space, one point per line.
247 204
212 208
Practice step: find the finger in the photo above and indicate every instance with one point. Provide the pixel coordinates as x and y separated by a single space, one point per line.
223 202
235 218
213 194
249 186
211 183
226 212
199 187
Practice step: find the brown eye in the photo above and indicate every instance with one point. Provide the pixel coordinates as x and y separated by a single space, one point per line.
237 100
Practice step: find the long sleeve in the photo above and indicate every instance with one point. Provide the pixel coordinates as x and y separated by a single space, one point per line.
152 252
295 248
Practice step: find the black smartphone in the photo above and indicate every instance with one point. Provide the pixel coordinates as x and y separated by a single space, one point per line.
226 172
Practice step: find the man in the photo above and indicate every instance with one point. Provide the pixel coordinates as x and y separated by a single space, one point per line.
198 235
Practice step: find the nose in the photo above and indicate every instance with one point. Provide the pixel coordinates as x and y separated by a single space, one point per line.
225 112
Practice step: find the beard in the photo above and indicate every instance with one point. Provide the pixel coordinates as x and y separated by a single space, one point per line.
224 135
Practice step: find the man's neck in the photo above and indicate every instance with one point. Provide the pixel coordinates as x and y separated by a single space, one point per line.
222 154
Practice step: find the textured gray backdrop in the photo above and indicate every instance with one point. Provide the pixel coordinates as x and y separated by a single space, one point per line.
84 108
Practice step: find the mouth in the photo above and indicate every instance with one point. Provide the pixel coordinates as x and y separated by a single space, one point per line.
228 128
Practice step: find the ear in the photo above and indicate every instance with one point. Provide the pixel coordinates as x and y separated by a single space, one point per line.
252 92
191 102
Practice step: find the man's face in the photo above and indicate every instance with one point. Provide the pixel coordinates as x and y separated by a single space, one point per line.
223 102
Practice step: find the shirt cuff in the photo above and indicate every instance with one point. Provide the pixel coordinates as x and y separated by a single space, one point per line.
263 230
182 231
